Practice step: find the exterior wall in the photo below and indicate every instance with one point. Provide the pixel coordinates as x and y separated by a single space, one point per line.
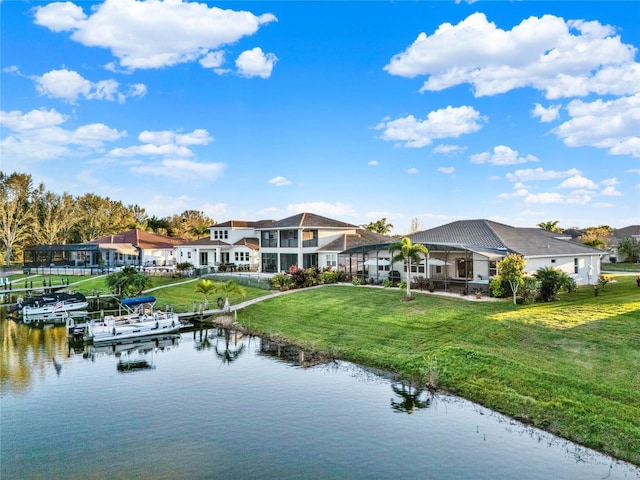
162 257
588 266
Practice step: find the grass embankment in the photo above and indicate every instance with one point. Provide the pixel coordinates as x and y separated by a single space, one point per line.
173 293
569 367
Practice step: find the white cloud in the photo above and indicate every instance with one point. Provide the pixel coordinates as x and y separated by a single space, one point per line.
604 124
213 210
164 143
254 63
611 191
39 135
213 60
560 58
578 181
337 209
450 122
447 170
502 155
280 181
136 32
373 163
609 181
547 114
557 198
69 86
449 149
413 171
181 170
536 174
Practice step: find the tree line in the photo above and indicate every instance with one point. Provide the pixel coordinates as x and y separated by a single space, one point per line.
31 215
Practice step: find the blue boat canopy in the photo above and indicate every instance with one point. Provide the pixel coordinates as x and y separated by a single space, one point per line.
137 300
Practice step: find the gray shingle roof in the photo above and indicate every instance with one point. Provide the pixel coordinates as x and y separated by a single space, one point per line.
494 235
309 220
361 237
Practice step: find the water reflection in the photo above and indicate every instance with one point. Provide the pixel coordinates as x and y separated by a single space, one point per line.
27 352
412 398
292 354
134 355
228 344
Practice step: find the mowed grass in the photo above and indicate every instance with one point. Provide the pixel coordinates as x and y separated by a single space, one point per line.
570 367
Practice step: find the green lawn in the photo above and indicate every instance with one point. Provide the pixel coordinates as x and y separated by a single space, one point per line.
569 367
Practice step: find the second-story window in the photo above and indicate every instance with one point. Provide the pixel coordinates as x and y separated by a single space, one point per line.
310 238
288 238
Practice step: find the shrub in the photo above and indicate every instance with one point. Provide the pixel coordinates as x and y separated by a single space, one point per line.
402 285
387 283
281 281
356 281
530 291
328 276
551 281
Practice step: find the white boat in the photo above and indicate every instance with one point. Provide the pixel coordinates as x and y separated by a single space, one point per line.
52 306
141 320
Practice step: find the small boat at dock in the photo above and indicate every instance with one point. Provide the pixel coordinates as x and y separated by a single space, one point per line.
140 320
50 308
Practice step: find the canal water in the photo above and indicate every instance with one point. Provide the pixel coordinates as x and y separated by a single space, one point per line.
212 404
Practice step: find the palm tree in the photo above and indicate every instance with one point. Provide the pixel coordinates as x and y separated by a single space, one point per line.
229 288
551 226
206 288
127 282
379 226
408 252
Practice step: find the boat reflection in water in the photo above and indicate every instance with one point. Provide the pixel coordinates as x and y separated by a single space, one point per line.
133 355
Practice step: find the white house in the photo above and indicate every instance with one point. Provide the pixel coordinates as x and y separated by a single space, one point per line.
232 245
307 240
465 254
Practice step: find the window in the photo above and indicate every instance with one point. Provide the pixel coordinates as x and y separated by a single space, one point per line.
242 256
288 259
309 260
268 238
465 269
332 260
188 254
310 238
269 262
215 234
493 268
288 238
575 265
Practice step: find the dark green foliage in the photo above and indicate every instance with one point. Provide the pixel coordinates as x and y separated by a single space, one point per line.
551 281
128 283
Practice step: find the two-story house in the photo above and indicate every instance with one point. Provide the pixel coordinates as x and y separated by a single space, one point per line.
231 245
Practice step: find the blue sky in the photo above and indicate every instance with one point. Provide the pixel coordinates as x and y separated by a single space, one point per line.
519 112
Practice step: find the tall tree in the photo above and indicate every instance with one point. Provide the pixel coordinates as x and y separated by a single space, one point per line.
597 237
140 217
99 216
551 226
158 225
190 225
16 210
416 226
55 216
379 226
511 270
407 252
